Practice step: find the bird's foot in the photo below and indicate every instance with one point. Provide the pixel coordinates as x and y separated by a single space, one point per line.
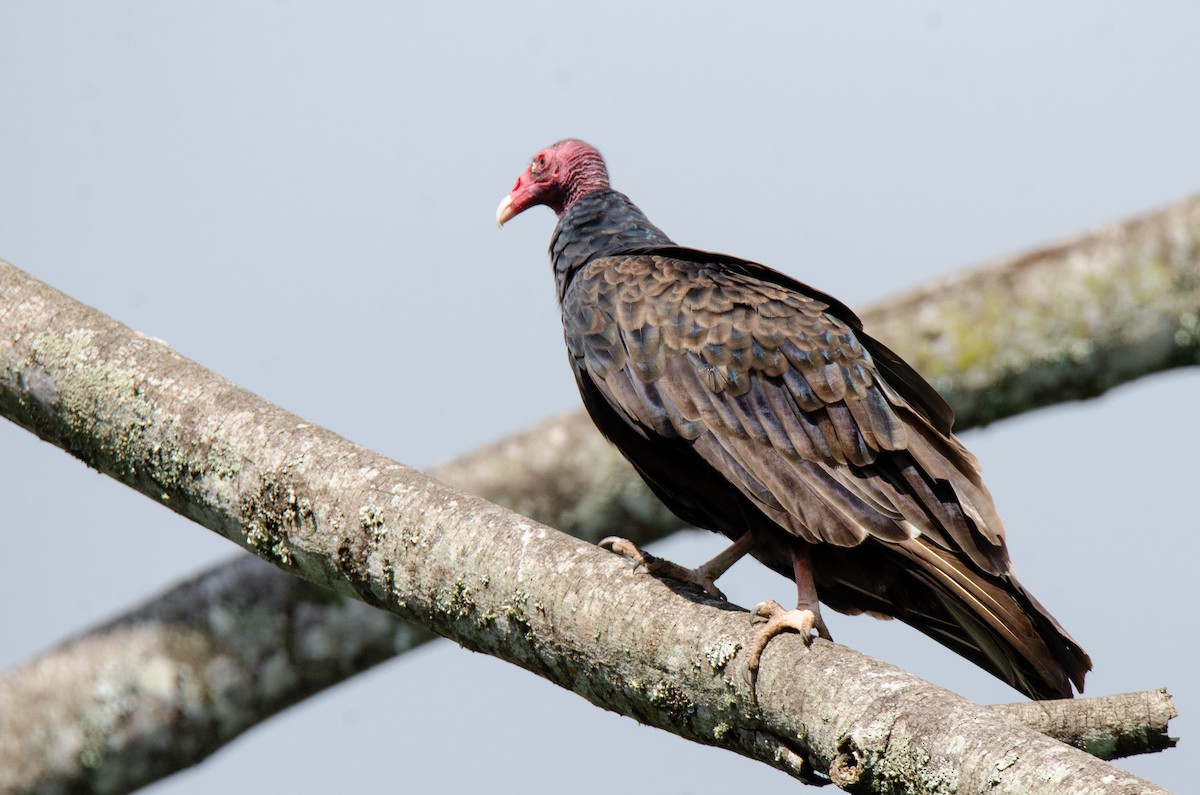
775 620
700 578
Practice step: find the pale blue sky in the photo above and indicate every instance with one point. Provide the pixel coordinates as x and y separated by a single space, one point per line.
300 196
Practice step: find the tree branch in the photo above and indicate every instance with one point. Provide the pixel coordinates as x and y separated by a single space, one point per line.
1109 727
1065 322
138 699
165 686
242 472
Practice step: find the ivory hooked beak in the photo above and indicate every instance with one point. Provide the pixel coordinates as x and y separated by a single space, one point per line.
504 211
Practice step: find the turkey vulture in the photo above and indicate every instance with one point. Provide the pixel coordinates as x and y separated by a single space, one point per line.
757 407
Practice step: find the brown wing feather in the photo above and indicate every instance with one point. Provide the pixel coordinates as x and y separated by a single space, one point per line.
782 398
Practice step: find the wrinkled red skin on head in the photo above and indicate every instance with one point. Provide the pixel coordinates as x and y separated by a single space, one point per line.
537 187
558 175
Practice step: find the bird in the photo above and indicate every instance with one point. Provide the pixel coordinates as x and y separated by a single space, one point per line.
756 406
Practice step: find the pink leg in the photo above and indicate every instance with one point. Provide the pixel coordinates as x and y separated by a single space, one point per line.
804 619
806 589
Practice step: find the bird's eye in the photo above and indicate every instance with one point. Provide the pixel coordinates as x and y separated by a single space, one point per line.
540 161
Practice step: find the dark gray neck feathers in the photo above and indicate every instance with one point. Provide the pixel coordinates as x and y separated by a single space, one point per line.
599 224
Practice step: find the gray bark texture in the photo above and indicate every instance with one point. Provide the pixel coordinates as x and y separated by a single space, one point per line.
1069 321
164 687
98 394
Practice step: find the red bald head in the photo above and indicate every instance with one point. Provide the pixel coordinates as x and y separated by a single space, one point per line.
557 176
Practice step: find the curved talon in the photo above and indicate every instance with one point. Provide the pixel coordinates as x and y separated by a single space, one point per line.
776 620
625 547
701 578
609 542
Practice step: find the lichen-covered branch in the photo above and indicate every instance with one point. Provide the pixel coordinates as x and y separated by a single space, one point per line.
349 519
213 637
95 713
165 686
1065 322
1110 727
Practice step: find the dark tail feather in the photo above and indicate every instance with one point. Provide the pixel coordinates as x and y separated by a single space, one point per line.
991 621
